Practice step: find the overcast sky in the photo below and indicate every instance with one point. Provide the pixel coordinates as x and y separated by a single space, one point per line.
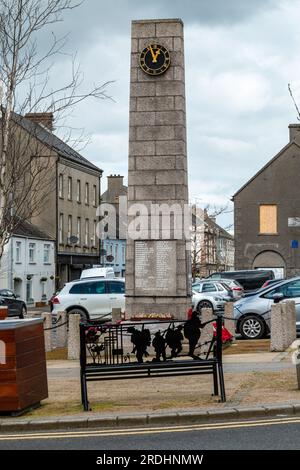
240 56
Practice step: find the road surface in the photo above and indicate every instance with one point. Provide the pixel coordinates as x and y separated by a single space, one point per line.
278 433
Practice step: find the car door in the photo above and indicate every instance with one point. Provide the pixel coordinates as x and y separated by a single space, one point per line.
117 294
99 299
290 291
209 288
10 301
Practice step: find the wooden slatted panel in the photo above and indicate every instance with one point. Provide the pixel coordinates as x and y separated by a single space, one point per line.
23 378
268 219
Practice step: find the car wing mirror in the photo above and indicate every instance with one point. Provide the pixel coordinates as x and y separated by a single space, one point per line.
277 298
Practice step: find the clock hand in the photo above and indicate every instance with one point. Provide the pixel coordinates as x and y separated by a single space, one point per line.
152 53
157 54
154 56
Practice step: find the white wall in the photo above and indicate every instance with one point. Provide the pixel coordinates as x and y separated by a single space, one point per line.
12 268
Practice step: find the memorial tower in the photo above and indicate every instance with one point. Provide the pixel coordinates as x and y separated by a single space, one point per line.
157 259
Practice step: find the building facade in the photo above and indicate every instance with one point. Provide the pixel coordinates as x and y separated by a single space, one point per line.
267 214
68 212
212 246
113 252
28 264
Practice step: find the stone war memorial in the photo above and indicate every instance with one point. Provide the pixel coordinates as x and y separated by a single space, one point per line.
158 280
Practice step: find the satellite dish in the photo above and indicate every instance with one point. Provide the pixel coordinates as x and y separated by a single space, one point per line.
110 258
73 240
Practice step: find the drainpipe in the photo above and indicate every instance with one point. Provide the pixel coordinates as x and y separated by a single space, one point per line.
11 265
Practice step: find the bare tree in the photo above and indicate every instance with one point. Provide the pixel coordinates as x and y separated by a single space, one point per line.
204 239
25 88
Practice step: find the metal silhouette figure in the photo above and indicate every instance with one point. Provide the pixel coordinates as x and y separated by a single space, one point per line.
141 339
174 339
192 331
159 344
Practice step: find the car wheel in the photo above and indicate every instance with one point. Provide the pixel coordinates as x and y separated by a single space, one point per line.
23 313
83 315
204 304
252 327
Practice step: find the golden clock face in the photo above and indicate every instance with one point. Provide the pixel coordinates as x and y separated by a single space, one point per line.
155 59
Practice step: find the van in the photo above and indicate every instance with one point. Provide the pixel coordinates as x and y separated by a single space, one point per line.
105 273
250 280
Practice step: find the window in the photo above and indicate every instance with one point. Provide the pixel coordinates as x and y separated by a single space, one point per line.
61 229
123 254
86 232
31 252
208 287
116 287
70 223
70 188
290 290
268 219
88 288
86 198
78 191
18 252
95 199
61 186
79 230
116 253
47 253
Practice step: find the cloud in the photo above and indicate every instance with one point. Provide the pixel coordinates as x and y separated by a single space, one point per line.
240 55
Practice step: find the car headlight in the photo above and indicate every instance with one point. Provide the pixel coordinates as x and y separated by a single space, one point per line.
218 299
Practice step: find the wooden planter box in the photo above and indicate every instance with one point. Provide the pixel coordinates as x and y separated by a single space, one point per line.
23 374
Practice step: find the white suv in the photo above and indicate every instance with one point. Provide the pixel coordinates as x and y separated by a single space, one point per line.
91 298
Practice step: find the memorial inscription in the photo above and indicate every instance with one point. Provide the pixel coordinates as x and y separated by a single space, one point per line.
155 267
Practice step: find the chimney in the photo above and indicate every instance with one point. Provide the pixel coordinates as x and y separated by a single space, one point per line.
294 133
114 184
44 119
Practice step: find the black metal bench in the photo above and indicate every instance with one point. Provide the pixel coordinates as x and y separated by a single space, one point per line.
116 365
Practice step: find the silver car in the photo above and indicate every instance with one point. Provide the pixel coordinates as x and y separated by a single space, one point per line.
199 301
236 288
209 294
253 313
213 288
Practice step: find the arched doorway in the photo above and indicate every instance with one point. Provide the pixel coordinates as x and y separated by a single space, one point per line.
270 260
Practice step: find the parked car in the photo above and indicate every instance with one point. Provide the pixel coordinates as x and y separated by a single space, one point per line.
236 288
252 314
250 280
271 282
213 288
208 300
91 298
16 307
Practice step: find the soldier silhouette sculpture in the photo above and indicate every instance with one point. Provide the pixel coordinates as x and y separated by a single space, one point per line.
174 338
192 331
141 339
159 344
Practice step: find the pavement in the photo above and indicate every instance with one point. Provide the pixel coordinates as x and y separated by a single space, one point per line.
258 385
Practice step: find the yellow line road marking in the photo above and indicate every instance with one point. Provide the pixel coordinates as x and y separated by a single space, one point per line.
146 431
